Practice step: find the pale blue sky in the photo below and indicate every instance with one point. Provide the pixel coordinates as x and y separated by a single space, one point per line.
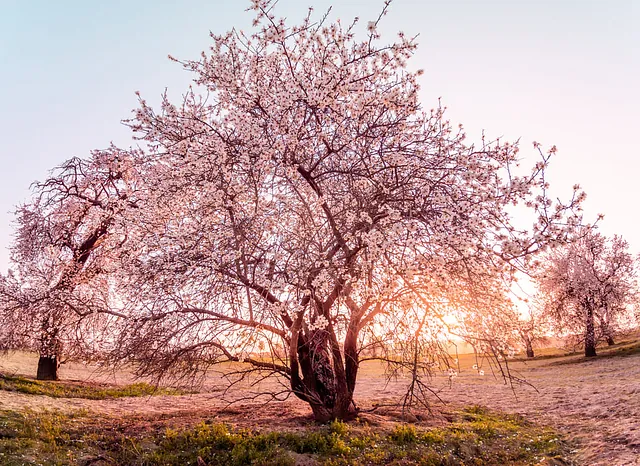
557 71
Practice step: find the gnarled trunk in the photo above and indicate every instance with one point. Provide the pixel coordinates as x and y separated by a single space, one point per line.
324 379
327 381
47 368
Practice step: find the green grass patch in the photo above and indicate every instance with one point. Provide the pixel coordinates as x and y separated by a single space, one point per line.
475 436
607 352
58 389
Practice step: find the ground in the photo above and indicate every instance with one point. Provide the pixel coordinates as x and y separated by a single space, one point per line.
594 404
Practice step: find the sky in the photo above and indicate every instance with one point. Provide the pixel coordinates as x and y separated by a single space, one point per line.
560 72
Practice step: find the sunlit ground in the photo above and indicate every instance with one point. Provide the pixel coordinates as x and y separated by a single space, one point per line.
576 411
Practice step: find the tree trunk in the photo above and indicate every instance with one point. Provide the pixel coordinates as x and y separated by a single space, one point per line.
47 368
328 399
50 350
605 328
324 383
530 353
529 346
590 335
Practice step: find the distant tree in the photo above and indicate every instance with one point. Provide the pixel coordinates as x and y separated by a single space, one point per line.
309 204
588 285
532 327
49 301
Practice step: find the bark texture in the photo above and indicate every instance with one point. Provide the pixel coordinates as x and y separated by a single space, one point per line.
47 368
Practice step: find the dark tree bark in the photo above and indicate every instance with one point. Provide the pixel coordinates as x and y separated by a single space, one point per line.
529 346
610 340
327 381
590 334
50 349
47 368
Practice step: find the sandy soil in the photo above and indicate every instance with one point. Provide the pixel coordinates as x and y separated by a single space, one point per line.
594 403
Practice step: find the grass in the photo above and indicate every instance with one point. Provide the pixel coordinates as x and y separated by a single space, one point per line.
75 390
628 345
544 353
475 436
623 349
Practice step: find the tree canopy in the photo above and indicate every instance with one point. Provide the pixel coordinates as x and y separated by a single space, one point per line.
298 206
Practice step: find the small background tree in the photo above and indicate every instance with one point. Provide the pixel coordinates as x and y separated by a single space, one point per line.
55 300
588 286
533 327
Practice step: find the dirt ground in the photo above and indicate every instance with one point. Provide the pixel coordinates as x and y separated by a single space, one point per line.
594 403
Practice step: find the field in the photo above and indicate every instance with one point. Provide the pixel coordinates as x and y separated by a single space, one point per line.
577 411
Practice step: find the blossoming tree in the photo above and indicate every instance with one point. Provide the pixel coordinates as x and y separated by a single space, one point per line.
56 297
304 204
588 286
